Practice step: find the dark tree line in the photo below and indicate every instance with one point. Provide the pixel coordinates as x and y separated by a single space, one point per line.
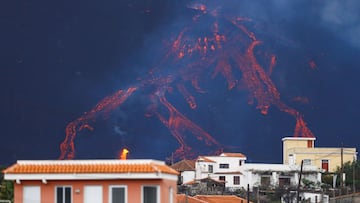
6 187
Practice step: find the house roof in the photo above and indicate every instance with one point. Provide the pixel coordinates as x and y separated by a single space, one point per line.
204 159
89 167
184 165
220 198
229 172
182 198
233 155
207 179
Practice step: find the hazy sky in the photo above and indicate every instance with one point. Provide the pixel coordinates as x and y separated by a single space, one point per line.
59 59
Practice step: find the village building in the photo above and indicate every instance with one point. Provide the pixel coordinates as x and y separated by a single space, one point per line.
298 149
186 168
93 181
232 172
225 168
271 176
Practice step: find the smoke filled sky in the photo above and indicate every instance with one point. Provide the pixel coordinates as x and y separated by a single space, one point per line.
59 59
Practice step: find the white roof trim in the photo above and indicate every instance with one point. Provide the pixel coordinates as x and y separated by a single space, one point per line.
89 162
298 138
89 176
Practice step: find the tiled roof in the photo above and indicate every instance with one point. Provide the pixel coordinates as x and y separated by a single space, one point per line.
89 166
202 158
182 198
233 155
220 198
207 179
230 172
184 165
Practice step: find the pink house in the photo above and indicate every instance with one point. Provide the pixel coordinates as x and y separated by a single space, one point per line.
93 181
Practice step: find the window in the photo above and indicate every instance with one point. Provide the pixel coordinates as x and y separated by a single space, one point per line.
309 143
307 162
236 180
265 180
63 194
240 162
150 194
180 179
284 181
222 178
224 166
210 167
118 194
325 164
291 159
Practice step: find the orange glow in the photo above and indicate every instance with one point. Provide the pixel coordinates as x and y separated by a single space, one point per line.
312 64
124 153
229 50
303 100
272 64
104 107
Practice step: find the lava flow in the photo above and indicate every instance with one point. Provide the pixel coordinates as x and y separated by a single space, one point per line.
225 47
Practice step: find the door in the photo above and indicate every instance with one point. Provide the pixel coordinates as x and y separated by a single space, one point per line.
93 194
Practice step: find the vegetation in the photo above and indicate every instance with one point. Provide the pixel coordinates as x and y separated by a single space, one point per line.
6 187
349 168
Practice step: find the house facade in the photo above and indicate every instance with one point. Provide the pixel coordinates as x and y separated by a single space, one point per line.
93 181
225 167
279 175
231 171
296 149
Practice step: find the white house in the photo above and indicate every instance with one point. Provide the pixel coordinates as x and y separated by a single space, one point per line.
278 175
232 169
225 167
186 168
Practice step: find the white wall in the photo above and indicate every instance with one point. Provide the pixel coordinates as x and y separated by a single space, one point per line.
188 176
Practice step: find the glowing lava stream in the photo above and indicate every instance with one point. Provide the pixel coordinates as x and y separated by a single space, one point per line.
226 50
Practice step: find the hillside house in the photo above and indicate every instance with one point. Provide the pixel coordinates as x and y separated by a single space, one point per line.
225 167
93 181
186 168
271 176
296 149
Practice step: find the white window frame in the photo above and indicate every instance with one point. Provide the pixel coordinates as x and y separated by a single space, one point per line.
234 180
118 186
63 186
210 166
307 162
157 192
171 195
321 162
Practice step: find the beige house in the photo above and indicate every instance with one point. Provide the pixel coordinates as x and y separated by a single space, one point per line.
296 149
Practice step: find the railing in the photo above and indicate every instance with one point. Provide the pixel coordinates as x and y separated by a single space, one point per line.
5 201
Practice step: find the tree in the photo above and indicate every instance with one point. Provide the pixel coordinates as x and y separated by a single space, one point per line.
351 168
6 187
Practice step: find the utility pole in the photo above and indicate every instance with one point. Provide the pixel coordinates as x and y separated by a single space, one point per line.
248 193
342 167
299 183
